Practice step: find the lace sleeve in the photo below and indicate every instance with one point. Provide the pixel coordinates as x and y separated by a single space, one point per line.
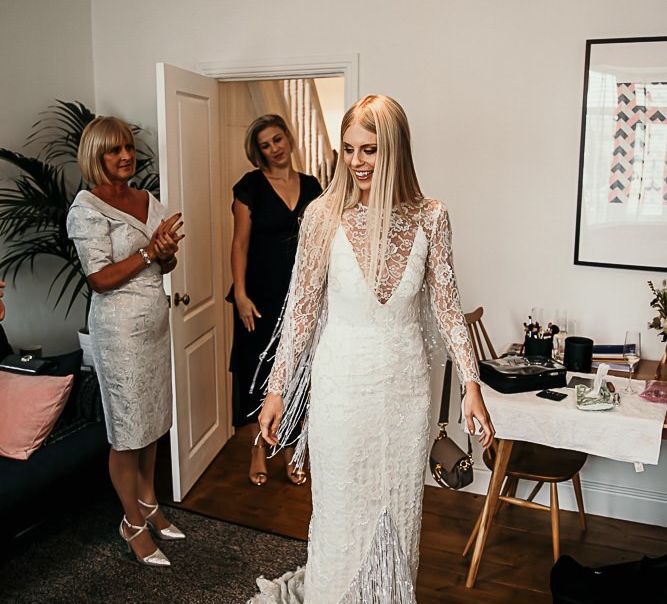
298 329
303 305
444 297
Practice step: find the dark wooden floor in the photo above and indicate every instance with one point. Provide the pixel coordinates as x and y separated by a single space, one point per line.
516 564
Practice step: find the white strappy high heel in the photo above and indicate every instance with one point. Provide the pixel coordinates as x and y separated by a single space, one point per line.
171 533
157 558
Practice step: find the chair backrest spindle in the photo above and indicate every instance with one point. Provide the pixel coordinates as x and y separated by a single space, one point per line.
479 336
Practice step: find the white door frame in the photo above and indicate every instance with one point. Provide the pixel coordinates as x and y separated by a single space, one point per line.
346 66
279 68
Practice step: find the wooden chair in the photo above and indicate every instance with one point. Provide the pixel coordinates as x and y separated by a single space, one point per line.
528 461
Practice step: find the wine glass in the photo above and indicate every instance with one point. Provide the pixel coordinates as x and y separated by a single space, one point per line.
559 340
631 355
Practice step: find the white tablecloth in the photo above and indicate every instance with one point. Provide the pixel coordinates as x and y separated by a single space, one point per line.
630 432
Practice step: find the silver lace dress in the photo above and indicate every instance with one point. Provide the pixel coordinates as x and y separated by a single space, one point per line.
129 325
368 409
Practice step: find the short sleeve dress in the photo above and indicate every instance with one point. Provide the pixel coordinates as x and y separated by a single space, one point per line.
129 325
271 252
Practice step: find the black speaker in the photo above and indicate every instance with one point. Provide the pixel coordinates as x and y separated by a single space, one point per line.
578 354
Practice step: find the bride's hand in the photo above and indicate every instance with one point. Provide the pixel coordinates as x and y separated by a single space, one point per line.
270 416
474 407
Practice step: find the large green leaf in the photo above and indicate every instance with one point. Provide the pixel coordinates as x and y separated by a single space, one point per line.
39 201
59 130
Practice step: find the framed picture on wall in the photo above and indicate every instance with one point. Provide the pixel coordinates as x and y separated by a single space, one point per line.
622 196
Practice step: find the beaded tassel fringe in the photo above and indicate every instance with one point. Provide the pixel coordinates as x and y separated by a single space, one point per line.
296 397
385 574
384 577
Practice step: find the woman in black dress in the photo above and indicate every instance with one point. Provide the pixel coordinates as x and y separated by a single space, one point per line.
268 203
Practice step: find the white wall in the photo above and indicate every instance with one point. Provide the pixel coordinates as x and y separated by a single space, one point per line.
45 54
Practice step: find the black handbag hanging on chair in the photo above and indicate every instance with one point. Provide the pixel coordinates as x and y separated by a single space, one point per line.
451 466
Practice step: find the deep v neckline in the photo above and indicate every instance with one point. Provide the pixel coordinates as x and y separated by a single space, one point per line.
280 197
113 212
148 208
361 272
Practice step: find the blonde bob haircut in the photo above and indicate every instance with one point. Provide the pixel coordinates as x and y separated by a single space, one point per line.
99 137
394 183
252 150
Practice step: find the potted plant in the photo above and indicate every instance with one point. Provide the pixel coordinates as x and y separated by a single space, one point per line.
33 208
659 322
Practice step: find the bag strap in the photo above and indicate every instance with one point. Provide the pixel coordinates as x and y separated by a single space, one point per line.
446 394
443 418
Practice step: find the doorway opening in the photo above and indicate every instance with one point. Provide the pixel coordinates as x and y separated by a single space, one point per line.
313 109
202 121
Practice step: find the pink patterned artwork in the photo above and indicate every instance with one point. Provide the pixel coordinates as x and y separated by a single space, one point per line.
637 165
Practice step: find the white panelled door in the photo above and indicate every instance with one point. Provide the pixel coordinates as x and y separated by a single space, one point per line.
190 172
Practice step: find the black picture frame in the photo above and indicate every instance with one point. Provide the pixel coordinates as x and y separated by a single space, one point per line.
578 232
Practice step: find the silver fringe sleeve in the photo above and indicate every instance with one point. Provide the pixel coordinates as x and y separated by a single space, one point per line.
297 334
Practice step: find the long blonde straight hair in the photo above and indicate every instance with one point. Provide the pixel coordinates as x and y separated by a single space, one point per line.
394 181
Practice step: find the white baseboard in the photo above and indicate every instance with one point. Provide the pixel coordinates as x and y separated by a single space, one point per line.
600 499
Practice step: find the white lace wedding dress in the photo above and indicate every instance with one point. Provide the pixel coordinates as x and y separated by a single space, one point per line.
368 411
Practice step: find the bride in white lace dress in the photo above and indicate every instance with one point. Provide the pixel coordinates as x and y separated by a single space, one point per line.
374 257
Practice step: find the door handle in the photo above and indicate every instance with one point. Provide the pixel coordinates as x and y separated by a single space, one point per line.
185 298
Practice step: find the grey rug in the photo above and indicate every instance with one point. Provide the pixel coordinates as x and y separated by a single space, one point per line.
80 557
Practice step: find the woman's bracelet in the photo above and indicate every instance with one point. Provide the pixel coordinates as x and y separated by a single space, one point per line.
146 258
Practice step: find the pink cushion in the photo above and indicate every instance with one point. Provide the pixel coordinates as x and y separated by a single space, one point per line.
29 407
